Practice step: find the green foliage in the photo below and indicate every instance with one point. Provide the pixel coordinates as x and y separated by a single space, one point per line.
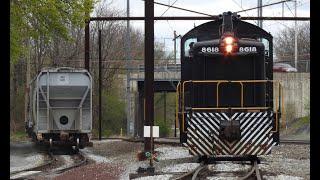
95 132
18 136
307 105
114 114
300 122
17 107
290 112
30 19
164 129
305 120
107 133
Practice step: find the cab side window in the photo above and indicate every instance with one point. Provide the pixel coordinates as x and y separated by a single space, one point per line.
187 44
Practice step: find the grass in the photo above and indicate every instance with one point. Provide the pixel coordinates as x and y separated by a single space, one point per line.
18 136
301 122
298 128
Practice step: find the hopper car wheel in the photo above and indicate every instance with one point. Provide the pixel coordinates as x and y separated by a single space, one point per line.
50 144
78 145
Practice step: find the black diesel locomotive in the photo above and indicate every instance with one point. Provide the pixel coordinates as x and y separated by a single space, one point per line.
228 102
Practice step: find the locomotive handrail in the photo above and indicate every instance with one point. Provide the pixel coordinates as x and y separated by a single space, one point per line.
277 100
218 82
190 81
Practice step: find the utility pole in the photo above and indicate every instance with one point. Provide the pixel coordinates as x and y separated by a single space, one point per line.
149 74
165 107
100 83
27 88
175 48
260 13
283 9
175 37
175 61
128 54
87 45
295 37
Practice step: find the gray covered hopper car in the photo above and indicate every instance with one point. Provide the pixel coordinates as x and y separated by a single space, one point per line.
60 107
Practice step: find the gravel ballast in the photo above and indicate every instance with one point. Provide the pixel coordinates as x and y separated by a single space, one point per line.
116 159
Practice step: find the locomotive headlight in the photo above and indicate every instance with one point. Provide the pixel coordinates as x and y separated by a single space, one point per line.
229 48
228 44
228 40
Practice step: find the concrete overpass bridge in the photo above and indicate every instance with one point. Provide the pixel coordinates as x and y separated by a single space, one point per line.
166 78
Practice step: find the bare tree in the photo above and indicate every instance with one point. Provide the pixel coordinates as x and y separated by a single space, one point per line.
284 43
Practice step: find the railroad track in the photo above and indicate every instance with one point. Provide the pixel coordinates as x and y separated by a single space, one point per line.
44 168
82 161
176 141
203 171
290 141
27 171
168 141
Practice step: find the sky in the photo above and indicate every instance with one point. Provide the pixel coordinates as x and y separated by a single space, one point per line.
164 29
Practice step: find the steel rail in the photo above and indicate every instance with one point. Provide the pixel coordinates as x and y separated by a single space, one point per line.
177 142
196 173
291 141
77 164
48 162
57 171
193 173
255 169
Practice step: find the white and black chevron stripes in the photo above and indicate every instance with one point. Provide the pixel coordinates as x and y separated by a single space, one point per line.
203 133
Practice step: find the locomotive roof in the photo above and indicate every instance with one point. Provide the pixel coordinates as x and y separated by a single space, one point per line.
240 41
242 29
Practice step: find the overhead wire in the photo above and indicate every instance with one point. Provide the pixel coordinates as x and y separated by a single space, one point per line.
165 12
289 8
263 6
183 9
240 6
279 22
197 12
303 3
168 8
188 10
